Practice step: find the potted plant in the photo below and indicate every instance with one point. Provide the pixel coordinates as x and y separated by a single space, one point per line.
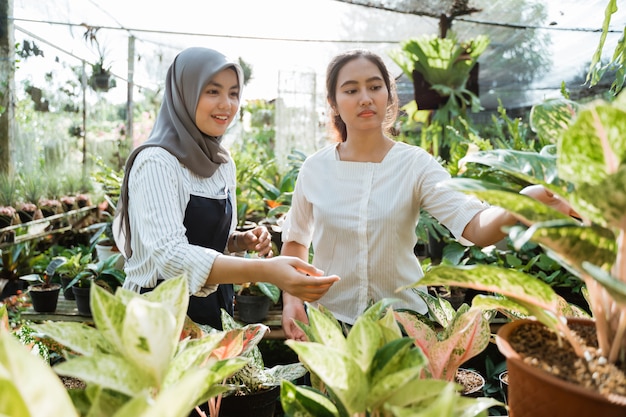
76 260
100 78
103 273
132 366
589 171
45 293
374 370
254 299
254 389
441 68
448 338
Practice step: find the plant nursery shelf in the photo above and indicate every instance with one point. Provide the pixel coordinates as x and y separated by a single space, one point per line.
55 224
67 311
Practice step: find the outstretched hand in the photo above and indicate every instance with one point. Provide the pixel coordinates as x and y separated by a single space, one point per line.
301 279
547 197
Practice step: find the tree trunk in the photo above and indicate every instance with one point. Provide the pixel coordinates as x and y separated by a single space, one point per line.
7 77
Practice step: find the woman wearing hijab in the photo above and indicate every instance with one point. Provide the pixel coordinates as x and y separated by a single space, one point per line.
177 210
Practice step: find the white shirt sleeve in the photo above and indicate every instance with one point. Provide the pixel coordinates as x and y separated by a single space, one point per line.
157 203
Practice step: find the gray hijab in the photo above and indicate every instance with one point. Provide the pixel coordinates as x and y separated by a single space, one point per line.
175 129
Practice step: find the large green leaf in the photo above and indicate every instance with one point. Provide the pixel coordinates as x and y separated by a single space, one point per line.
337 369
508 282
389 358
363 340
29 386
78 337
531 167
150 344
109 371
325 330
386 386
592 155
305 402
552 117
571 244
525 208
194 354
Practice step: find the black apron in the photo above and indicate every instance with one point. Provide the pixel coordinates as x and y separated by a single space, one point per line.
207 221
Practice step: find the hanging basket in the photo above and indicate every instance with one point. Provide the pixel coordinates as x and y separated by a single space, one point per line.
101 81
429 99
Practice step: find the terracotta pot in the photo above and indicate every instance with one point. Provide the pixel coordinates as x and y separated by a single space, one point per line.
533 392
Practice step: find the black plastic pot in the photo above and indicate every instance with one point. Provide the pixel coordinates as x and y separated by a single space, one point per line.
252 308
44 300
68 293
82 300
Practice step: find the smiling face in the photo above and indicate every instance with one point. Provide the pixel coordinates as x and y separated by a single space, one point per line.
361 95
218 103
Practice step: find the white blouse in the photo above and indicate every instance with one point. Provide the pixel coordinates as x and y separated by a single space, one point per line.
361 219
159 189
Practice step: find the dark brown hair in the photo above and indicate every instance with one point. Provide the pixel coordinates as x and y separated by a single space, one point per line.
337 126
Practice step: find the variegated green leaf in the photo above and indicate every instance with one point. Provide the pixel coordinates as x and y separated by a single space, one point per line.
108 315
338 370
508 282
441 405
389 358
572 245
386 386
364 339
194 355
109 371
78 337
150 344
419 391
530 167
439 309
305 402
525 208
175 401
29 386
325 330
289 372
389 326
552 117
173 294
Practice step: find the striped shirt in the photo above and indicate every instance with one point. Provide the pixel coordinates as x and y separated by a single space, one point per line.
160 188
361 217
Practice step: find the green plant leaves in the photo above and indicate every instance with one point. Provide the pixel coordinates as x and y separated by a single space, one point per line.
29 386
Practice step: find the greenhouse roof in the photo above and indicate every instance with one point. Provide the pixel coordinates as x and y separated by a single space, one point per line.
534 45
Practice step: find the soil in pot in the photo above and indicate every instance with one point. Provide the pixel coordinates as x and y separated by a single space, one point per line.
546 378
44 299
472 382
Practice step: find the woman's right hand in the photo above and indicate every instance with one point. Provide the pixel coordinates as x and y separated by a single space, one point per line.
293 309
298 278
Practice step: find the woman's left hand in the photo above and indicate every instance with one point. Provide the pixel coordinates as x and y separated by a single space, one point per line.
257 240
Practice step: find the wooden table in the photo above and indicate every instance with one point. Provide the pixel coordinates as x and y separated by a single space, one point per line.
67 311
